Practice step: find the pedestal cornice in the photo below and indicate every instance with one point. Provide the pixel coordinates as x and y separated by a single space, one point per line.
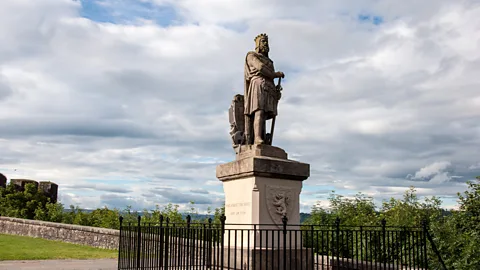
265 167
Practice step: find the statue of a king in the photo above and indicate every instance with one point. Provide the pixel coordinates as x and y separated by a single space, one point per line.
261 95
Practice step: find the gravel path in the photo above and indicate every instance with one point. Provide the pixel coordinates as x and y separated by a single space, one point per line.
102 264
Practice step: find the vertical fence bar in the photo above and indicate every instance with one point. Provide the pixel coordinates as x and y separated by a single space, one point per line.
210 243
284 221
384 246
129 247
254 255
139 238
161 231
121 241
222 244
189 250
167 243
313 248
337 228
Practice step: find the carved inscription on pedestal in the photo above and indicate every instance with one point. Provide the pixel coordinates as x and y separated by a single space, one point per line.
236 209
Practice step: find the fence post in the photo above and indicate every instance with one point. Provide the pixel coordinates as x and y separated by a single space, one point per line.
222 259
161 241
424 239
284 221
189 249
139 236
384 223
337 225
120 243
167 240
210 243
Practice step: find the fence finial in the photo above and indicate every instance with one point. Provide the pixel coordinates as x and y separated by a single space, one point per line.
284 221
189 219
223 218
337 222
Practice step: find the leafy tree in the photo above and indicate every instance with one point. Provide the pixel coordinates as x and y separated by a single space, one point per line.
105 218
357 211
21 204
458 236
410 211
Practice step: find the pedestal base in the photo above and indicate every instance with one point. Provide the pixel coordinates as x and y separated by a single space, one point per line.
273 259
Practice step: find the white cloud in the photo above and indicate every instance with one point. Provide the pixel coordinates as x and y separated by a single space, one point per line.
140 106
434 170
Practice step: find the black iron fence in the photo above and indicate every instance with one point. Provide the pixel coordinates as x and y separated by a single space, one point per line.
191 245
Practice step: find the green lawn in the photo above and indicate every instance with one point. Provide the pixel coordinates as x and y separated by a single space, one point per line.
14 247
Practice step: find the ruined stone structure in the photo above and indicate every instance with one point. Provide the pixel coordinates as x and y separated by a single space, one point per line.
21 183
3 181
48 188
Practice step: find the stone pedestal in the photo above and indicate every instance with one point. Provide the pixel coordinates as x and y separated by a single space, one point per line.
260 186
269 259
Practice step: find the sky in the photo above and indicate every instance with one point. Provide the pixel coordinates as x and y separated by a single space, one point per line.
124 102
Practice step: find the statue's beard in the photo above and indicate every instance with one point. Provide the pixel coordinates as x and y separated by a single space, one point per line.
264 50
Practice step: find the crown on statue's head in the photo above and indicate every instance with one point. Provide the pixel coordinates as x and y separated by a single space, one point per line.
261 36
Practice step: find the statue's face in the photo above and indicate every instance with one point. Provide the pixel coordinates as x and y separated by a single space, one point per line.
263 45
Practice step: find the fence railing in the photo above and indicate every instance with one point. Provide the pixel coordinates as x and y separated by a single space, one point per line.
207 245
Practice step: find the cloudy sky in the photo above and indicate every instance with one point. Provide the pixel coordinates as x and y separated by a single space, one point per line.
124 102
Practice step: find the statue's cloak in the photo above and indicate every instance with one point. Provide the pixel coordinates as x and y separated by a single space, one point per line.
260 91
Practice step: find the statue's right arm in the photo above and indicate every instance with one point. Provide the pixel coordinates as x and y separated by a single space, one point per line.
258 65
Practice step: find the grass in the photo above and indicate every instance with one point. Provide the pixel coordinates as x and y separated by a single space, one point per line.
13 247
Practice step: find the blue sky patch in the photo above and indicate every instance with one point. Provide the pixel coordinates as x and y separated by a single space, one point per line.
127 12
370 18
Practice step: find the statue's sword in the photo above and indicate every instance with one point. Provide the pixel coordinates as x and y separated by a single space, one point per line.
279 88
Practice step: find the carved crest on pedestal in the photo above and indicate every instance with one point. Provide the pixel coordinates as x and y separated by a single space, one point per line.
279 202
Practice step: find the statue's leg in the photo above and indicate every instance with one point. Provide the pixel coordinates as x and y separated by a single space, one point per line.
248 130
259 127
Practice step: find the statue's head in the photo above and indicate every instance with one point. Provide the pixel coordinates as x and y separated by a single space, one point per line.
261 44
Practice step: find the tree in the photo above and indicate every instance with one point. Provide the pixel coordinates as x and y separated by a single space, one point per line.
410 211
357 211
458 236
22 204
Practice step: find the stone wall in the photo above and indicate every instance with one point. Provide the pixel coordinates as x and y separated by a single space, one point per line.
83 235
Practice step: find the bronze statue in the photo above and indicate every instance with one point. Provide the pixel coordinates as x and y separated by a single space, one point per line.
260 99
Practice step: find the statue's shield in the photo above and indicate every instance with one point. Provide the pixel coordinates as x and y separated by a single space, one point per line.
237 119
279 202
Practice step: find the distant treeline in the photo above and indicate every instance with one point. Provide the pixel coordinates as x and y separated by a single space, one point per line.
456 233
